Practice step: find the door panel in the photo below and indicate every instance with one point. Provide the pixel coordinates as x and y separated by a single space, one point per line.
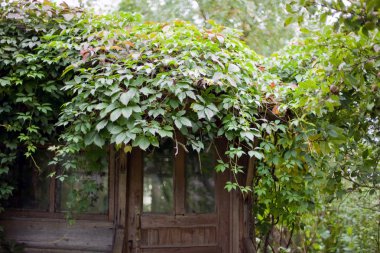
192 249
160 220
178 237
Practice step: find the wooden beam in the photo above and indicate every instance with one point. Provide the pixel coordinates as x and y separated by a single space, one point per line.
179 176
192 249
188 221
248 245
223 201
118 245
122 189
250 172
111 182
135 183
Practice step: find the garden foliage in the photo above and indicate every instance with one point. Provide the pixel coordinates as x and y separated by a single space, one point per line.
307 117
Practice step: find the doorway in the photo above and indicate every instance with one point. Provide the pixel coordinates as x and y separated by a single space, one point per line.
176 202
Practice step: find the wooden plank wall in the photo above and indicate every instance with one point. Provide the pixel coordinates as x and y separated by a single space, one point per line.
56 235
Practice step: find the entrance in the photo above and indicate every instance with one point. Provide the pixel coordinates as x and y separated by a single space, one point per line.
176 202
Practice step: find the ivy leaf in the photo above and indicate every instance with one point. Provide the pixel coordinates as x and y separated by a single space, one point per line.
127 149
89 138
114 129
120 137
115 114
127 112
221 167
185 121
71 67
217 76
209 113
101 125
288 21
256 154
232 68
178 123
247 135
127 96
165 133
98 140
142 142
68 16
146 91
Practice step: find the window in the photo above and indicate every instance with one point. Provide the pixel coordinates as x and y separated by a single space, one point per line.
31 183
35 191
200 182
178 183
158 179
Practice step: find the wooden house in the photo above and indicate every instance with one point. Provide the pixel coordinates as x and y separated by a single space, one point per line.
160 201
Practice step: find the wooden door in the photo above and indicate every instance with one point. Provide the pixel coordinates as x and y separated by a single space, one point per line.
175 207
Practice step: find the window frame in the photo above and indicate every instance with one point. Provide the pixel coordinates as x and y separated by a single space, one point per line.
52 211
179 184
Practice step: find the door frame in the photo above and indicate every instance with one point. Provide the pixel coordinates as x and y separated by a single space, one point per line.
133 224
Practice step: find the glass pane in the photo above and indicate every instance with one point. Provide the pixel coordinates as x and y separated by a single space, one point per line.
31 182
158 179
200 182
86 191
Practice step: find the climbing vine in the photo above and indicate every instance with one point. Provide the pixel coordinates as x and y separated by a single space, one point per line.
70 79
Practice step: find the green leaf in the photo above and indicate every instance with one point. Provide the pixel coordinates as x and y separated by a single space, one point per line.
232 68
185 121
288 21
127 96
114 129
71 67
115 114
221 167
98 140
247 135
178 123
146 91
68 16
127 112
101 125
209 113
120 137
142 142
256 154
165 133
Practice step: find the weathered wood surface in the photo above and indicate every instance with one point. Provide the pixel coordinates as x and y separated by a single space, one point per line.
179 237
248 246
45 250
223 203
177 231
189 220
56 235
118 246
179 175
197 249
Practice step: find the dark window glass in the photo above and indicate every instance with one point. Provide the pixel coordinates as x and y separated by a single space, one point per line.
200 182
31 182
158 179
86 191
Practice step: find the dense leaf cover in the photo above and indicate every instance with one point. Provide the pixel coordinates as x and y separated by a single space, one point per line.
306 117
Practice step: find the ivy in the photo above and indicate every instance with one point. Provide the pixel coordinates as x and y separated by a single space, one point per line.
306 118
